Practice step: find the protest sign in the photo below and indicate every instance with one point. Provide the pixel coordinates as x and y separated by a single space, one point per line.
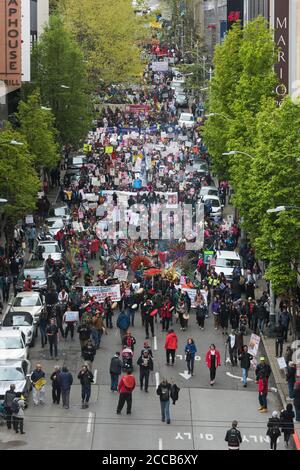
253 345
281 363
121 274
101 292
71 316
29 219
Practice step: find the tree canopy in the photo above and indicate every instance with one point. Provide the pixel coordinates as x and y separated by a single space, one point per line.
107 33
37 125
59 71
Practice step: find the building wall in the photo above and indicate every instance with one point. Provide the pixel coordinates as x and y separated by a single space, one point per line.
42 16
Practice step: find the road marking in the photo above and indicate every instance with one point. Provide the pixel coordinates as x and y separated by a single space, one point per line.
90 420
160 444
237 377
95 376
186 375
157 379
155 343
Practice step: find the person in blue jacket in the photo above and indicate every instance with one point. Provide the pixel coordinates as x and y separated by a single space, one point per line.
190 352
123 323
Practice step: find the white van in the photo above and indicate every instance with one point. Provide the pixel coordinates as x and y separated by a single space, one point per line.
226 261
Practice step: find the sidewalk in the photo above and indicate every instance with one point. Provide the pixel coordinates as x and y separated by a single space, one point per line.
278 374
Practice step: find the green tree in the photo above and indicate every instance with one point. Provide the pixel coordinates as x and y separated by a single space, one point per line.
37 125
243 77
108 33
19 183
274 180
59 71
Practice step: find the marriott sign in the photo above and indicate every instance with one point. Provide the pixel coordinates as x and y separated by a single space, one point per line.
281 26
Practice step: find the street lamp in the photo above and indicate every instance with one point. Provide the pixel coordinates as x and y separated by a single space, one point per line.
11 142
282 209
235 152
218 114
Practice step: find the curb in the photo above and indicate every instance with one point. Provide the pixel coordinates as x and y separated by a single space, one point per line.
280 389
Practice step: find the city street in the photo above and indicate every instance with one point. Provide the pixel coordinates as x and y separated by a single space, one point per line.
200 418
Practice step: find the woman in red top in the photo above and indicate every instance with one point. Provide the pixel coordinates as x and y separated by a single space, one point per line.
94 247
166 314
213 360
171 345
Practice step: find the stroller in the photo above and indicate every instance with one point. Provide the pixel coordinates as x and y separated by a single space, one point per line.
127 356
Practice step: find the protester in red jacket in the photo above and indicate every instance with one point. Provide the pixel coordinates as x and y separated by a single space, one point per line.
166 314
213 360
125 388
262 393
171 345
94 247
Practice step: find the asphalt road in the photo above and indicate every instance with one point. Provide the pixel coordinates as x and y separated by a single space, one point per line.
199 419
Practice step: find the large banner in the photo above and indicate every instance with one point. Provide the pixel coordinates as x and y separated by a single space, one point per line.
10 43
101 292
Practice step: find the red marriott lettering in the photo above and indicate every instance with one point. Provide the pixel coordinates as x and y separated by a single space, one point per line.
281 27
10 42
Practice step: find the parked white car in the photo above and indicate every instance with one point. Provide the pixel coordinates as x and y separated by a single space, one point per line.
226 261
25 322
187 119
12 344
54 225
50 247
30 301
15 372
209 191
216 207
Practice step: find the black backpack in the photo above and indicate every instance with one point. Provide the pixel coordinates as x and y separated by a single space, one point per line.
165 395
15 407
232 437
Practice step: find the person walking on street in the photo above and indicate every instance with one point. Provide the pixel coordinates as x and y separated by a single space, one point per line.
245 358
166 314
86 379
171 346
115 370
98 329
43 323
38 383
56 390
84 331
263 393
291 378
9 397
297 400
123 323
65 380
149 320
89 353
129 341
287 423
233 437
273 430
18 407
284 318
232 347
146 365
213 360
52 335
190 352
280 332
125 388
147 348
164 393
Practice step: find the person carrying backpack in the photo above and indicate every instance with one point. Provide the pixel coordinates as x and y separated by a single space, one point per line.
287 423
233 437
18 406
174 393
125 388
273 430
164 393
9 397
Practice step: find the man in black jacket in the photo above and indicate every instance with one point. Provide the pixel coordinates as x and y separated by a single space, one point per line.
233 437
164 393
115 370
52 335
86 378
9 397
245 359
89 353
84 334
146 365
280 332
